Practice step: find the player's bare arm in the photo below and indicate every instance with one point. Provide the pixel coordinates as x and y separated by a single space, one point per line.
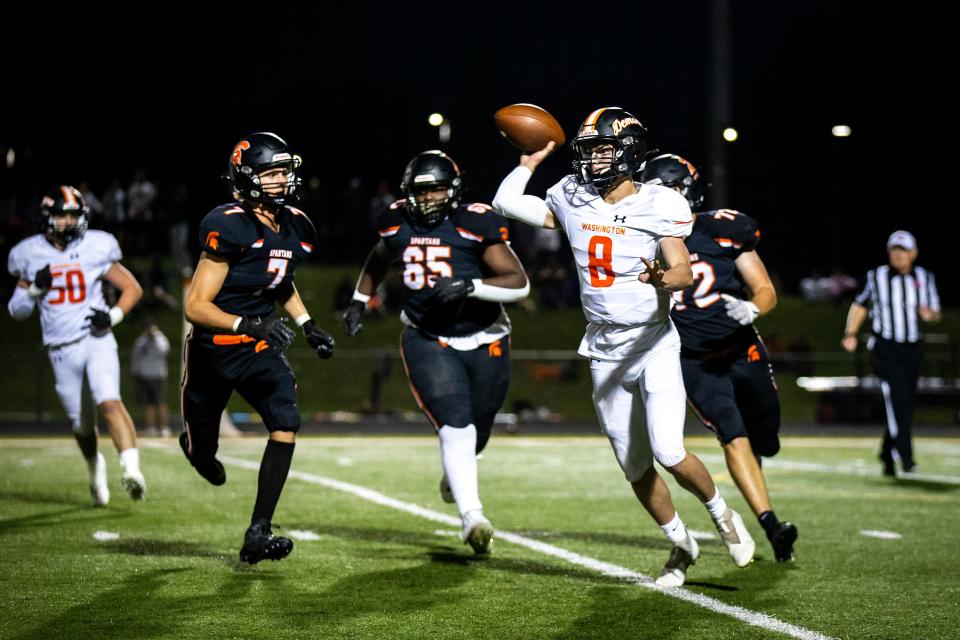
676 273
319 340
130 290
855 317
511 202
755 276
375 269
207 281
508 272
293 305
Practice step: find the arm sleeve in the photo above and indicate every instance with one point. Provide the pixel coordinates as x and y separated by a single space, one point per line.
511 202
21 304
15 263
491 293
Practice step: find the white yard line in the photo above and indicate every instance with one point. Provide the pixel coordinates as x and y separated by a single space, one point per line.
816 467
753 618
883 535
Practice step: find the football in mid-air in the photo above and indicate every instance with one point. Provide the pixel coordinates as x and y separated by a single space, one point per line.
528 127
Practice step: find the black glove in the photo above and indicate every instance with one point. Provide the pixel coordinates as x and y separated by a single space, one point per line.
273 330
43 279
99 322
353 317
448 290
321 341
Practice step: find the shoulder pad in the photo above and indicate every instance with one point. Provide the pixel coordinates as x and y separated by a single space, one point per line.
303 225
227 230
480 223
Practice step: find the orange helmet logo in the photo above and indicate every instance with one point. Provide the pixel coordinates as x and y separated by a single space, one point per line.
212 241
238 150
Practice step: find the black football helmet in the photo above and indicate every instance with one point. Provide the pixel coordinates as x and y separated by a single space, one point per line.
670 170
429 171
255 154
609 126
64 199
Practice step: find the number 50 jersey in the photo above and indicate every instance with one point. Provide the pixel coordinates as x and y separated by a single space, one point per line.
77 272
718 239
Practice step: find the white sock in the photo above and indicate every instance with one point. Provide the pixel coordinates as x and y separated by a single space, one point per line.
674 530
716 506
458 453
130 460
92 464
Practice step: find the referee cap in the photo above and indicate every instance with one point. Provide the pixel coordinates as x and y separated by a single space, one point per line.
902 239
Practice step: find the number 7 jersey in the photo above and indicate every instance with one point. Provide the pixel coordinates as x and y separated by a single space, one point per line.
609 243
77 273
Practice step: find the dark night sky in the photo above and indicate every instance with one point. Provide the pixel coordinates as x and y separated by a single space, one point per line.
172 88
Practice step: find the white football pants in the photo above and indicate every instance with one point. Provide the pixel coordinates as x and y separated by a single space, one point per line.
97 357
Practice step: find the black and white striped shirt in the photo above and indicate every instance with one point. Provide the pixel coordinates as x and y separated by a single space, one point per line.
894 301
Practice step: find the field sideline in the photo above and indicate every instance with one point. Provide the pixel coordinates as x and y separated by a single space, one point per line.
377 555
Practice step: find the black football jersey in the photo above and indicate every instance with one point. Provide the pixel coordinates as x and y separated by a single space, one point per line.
699 313
262 262
454 248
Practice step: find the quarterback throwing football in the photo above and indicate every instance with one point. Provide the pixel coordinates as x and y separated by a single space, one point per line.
628 243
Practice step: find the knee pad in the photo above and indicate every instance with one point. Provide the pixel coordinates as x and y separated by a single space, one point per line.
636 471
84 426
284 417
765 444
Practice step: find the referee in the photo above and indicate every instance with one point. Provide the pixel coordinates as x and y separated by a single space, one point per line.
899 296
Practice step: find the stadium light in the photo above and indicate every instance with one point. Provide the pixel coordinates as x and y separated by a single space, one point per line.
435 119
11 158
841 131
730 134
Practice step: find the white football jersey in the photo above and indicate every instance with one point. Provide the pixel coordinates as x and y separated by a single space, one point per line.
77 272
608 242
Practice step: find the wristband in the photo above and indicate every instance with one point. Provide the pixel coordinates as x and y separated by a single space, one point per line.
236 323
302 319
34 291
361 297
116 315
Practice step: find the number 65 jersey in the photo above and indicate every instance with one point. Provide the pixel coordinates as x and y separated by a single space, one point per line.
609 243
77 272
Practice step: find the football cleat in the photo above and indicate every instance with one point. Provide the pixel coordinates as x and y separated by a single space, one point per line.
134 484
782 538
477 532
259 543
445 493
99 490
735 535
682 555
211 470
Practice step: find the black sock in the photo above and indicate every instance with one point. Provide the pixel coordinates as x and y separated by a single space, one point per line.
768 520
273 473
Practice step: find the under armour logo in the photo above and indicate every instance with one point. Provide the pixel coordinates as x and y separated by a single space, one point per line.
74 256
620 219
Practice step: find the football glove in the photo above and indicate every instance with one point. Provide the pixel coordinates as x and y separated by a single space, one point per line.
43 279
353 317
743 311
99 323
448 290
321 341
273 330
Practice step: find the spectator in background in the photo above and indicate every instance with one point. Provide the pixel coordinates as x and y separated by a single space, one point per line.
93 202
148 364
898 296
115 204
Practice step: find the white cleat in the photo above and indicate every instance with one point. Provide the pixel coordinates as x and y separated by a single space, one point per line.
735 535
682 555
477 532
134 484
99 490
445 493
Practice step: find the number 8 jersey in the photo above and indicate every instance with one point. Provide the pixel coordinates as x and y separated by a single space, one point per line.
77 273
608 242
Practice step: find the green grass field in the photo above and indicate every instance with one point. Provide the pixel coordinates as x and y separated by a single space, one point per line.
378 571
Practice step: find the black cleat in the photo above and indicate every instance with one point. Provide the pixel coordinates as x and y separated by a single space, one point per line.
259 543
212 471
888 468
782 538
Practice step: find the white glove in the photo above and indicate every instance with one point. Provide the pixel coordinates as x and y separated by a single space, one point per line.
742 311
